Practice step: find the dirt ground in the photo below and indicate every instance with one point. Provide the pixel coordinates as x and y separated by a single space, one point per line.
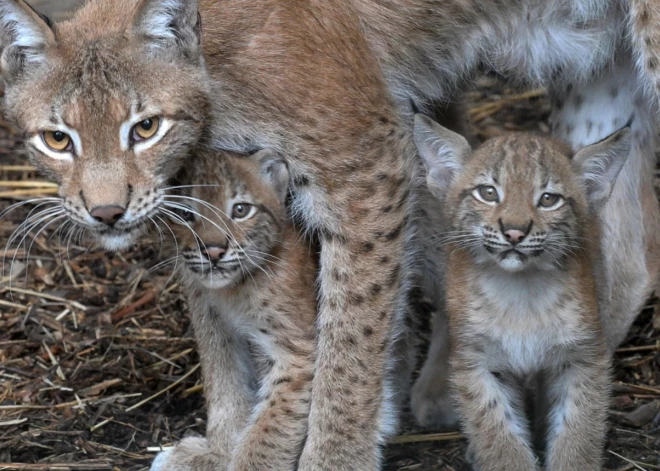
98 367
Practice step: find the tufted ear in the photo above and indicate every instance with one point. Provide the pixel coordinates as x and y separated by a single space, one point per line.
170 24
24 36
443 152
273 170
599 165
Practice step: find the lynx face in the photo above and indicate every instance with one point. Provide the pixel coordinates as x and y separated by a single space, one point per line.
231 224
97 119
519 201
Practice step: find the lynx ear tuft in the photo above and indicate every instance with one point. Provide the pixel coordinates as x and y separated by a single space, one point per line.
600 164
24 36
274 170
171 25
443 152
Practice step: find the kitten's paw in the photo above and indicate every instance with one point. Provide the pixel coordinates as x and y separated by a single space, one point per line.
161 460
190 454
432 409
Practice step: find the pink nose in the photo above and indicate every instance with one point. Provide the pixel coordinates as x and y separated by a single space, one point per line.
107 214
514 236
215 253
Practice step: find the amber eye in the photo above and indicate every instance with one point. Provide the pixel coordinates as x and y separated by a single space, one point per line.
146 128
57 140
241 211
548 200
488 193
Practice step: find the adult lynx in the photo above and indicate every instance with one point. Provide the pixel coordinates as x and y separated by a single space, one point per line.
114 100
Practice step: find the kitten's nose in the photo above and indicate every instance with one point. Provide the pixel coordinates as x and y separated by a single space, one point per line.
514 236
107 214
215 253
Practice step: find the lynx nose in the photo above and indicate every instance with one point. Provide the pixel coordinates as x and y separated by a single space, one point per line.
514 236
107 214
215 253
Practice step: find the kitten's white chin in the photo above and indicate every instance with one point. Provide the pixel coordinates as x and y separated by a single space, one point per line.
216 282
512 263
118 242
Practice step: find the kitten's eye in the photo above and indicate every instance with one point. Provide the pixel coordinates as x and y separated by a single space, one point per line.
488 194
57 140
548 200
146 128
241 211
182 213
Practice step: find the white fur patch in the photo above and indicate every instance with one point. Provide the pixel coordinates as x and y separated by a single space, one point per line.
20 27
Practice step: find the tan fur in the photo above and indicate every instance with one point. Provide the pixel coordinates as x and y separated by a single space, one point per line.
284 79
254 314
316 81
530 308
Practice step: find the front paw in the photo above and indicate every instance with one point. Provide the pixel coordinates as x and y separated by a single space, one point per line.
161 462
433 409
190 454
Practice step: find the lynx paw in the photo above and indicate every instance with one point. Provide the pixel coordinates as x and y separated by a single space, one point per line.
161 460
433 409
190 454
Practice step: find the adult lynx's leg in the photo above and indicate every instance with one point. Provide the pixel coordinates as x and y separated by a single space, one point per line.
585 114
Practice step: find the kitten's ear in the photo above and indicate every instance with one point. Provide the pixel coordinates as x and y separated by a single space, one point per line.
600 164
170 24
274 170
24 37
443 152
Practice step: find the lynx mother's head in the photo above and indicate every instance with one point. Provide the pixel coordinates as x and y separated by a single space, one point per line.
111 102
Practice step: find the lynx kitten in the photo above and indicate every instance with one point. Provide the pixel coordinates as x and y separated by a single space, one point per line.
521 290
249 279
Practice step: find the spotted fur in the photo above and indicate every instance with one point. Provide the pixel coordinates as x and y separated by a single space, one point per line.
249 280
522 296
326 84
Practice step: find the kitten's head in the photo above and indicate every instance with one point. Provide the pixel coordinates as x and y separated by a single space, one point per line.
111 102
519 200
230 223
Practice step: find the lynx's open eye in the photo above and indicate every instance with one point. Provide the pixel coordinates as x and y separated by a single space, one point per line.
181 214
242 211
487 194
145 129
551 201
57 141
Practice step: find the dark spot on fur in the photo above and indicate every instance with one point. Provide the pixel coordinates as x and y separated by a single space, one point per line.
300 180
384 259
387 209
390 236
367 247
356 298
578 100
375 289
368 331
